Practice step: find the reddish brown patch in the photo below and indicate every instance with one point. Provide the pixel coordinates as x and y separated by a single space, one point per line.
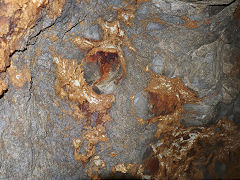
190 24
84 108
113 154
106 62
237 15
4 24
151 166
207 22
99 119
236 68
162 104
139 2
157 20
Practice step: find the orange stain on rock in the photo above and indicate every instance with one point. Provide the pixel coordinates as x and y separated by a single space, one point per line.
113 154
157 20
70 83
162 104
207 22
92 136
105 61
38 52
23 15
19 77
3 86
167 97
112 41
182 151
139 2
136 170
17 17
55 8
127 14
190 24
53 38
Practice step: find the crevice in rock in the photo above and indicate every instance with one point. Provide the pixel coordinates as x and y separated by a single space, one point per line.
73 26
215 9
28 44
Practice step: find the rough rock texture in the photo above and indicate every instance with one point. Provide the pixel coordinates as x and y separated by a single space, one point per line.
17 19
196 42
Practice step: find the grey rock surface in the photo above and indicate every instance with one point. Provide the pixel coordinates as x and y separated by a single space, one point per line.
35 130
93 32
141 105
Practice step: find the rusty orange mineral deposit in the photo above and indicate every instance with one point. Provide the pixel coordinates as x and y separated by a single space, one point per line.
105 61
181 151
71 85
17 17
19 77
189 23
167 97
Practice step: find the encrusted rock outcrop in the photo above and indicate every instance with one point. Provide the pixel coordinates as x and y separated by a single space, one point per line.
136 89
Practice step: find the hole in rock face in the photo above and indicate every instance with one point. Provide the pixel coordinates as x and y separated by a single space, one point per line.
215 9
106 61
100 69
162 104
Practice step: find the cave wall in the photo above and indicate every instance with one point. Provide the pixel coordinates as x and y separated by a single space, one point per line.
192 47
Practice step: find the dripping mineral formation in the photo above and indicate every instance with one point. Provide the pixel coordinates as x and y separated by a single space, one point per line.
90 85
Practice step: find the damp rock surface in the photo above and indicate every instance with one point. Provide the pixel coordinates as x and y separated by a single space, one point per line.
107 89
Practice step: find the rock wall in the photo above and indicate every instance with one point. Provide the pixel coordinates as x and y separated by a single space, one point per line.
130 89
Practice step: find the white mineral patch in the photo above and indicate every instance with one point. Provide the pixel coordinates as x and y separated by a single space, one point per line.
56 60
113 29
90 99
154 149
121 33
18 76
159 144
121 168
125 16
76 83
157 87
